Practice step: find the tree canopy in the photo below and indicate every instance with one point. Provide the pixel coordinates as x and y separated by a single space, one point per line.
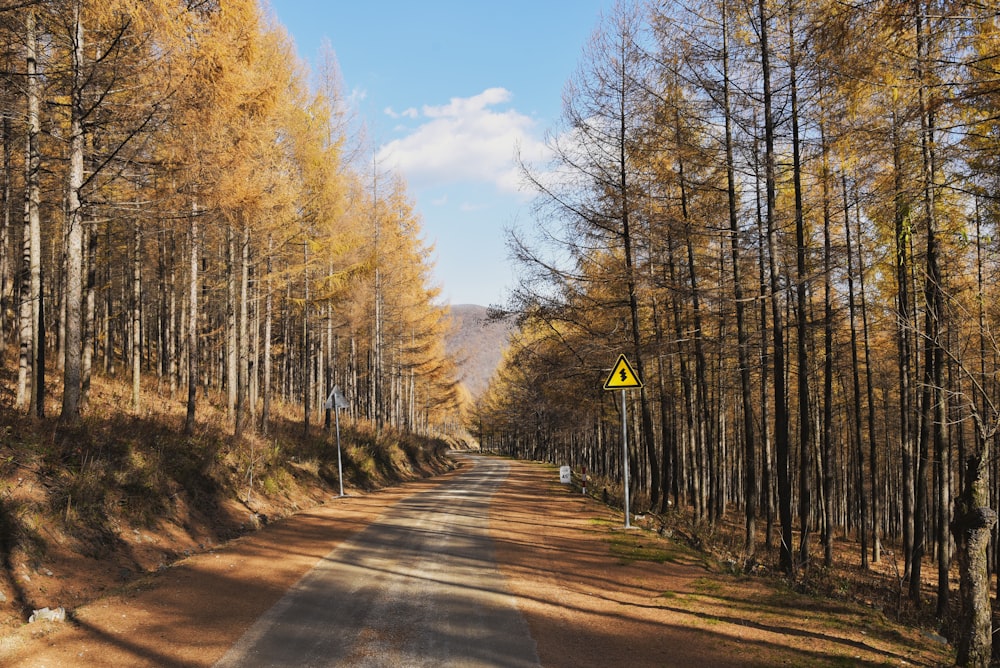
784 214
191 213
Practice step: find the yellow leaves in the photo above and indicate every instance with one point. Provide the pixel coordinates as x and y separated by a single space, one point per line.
254 144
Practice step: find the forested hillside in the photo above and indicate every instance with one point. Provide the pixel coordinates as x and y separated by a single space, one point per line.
785 215
477 344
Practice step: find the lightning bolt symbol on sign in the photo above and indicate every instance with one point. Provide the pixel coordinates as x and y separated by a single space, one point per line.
622 376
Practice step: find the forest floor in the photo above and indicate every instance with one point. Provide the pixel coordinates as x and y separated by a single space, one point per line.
593 593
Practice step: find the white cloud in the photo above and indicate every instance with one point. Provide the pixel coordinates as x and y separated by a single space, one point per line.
470 139
406 113
356 97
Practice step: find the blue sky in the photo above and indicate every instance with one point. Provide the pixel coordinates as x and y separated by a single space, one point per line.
447 90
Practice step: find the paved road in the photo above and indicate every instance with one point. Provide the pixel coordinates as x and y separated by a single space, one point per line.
419 587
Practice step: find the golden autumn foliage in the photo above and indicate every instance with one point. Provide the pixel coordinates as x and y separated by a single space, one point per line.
224 240
799 201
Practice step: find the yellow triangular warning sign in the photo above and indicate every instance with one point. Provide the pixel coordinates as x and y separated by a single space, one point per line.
622 376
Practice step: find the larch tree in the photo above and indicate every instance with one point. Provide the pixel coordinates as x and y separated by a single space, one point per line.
30 386
599 197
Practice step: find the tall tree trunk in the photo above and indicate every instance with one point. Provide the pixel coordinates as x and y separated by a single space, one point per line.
243 335
690 480
5 225
136 316
856 426
171 335
802 334
702 431
231 333
749 445
667 455
630 276
767 493
932 395
377 356
253 362
265 413
646 417
107 324
192 328
287 357
873 472
934 293
306 350
90 315
826 449
781 435
30 374
904 346
974 520
38 388
26 321
74 234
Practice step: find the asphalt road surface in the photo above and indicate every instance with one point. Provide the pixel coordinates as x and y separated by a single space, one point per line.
419 587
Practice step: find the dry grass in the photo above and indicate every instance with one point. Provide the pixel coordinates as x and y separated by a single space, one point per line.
88 509
880 587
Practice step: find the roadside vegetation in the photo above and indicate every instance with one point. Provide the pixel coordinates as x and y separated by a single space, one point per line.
205 253
133 494
784 215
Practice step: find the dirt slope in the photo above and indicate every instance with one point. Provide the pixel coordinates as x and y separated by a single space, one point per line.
575 574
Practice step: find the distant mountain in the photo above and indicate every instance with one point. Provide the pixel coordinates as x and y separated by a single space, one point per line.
477 345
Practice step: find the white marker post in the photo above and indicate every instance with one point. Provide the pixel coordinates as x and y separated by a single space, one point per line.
624 378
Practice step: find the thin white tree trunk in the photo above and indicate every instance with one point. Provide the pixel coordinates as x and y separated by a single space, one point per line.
232 342
172 318
265 415
242 334
74 236
31 260
90 315
192 348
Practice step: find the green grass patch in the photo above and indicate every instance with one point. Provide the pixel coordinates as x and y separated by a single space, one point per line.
631 546
707 586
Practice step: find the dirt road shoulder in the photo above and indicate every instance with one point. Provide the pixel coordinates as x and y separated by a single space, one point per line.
190 614
597 595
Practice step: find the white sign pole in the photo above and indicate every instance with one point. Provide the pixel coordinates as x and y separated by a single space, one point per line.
625 458
340 468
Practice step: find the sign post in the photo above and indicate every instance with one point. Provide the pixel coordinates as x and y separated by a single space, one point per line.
336 401
623 378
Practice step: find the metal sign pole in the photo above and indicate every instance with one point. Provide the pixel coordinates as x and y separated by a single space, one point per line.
625 458
623 377
340 468
336 401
